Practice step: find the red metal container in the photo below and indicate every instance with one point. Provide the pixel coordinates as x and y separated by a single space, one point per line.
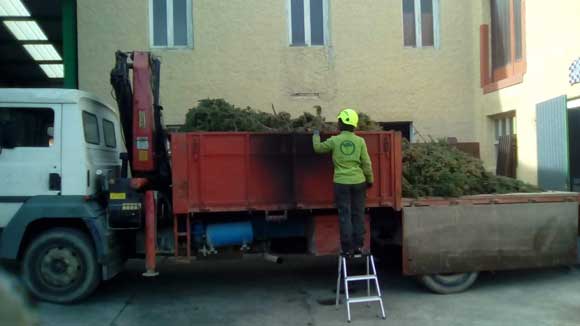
232 171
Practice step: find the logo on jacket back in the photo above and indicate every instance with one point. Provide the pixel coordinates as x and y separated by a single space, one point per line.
347 147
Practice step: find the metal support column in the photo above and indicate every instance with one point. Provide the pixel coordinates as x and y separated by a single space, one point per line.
69 43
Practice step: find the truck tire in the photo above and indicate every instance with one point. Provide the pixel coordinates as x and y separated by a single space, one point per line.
449 283
60 266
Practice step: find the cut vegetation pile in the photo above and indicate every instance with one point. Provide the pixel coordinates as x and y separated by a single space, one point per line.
430 169
219 115
436 169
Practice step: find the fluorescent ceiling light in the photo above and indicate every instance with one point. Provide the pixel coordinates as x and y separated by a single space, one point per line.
13 8
53 71
26 30
42 52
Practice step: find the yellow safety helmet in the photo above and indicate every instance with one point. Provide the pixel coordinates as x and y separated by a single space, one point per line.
348 117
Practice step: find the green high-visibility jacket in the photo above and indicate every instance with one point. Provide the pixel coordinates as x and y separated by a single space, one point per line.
352 164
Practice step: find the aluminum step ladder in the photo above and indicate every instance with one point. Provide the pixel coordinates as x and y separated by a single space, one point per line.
343 275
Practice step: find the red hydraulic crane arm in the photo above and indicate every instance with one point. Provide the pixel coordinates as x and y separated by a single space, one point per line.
143 151
141 117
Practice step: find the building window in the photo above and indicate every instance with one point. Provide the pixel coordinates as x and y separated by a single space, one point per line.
504 126
170 23
421 23
507 38
308 21
505 144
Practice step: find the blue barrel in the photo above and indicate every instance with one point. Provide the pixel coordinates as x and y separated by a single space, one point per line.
198 231
229 234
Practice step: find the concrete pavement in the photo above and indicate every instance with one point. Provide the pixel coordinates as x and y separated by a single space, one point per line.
300 292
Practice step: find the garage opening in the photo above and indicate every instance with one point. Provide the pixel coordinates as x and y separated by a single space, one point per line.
405 127
573 106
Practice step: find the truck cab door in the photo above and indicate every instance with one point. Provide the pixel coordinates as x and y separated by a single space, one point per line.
30 156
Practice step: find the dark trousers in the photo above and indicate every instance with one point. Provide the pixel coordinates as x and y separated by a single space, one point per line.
350 201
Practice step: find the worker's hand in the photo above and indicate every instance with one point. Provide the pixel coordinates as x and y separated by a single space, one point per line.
316 132
369 185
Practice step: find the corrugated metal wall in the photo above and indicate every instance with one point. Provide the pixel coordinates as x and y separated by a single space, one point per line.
552 133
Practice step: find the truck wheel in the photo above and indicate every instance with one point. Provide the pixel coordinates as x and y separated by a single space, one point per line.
60 266
449 283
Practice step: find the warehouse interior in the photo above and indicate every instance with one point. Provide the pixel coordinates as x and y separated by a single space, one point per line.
38 46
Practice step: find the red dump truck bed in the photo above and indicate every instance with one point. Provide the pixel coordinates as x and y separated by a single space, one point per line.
238 171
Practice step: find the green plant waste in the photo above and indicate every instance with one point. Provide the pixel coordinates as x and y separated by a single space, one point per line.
430 169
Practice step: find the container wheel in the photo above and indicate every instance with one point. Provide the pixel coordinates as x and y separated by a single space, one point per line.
60 266
449 283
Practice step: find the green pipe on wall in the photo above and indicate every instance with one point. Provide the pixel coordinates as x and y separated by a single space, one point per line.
69 43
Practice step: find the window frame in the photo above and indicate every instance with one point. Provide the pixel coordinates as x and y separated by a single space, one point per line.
497 124
307 24
493 79
504 124
112 124
170 29
85 129
419 27
514 67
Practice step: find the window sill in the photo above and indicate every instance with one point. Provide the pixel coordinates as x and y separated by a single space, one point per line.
172 48
430 47
307 46
504 83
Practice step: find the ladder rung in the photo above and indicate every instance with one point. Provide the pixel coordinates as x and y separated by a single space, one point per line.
361 277
364 299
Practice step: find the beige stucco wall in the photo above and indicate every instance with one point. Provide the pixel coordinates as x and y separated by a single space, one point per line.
241 53
550 34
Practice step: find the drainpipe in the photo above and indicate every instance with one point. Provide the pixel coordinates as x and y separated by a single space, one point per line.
69 43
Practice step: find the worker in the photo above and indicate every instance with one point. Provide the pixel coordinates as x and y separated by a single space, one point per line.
353 175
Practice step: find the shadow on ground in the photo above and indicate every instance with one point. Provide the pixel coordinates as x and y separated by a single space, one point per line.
301 292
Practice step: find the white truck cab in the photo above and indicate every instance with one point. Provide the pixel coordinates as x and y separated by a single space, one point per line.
52 142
